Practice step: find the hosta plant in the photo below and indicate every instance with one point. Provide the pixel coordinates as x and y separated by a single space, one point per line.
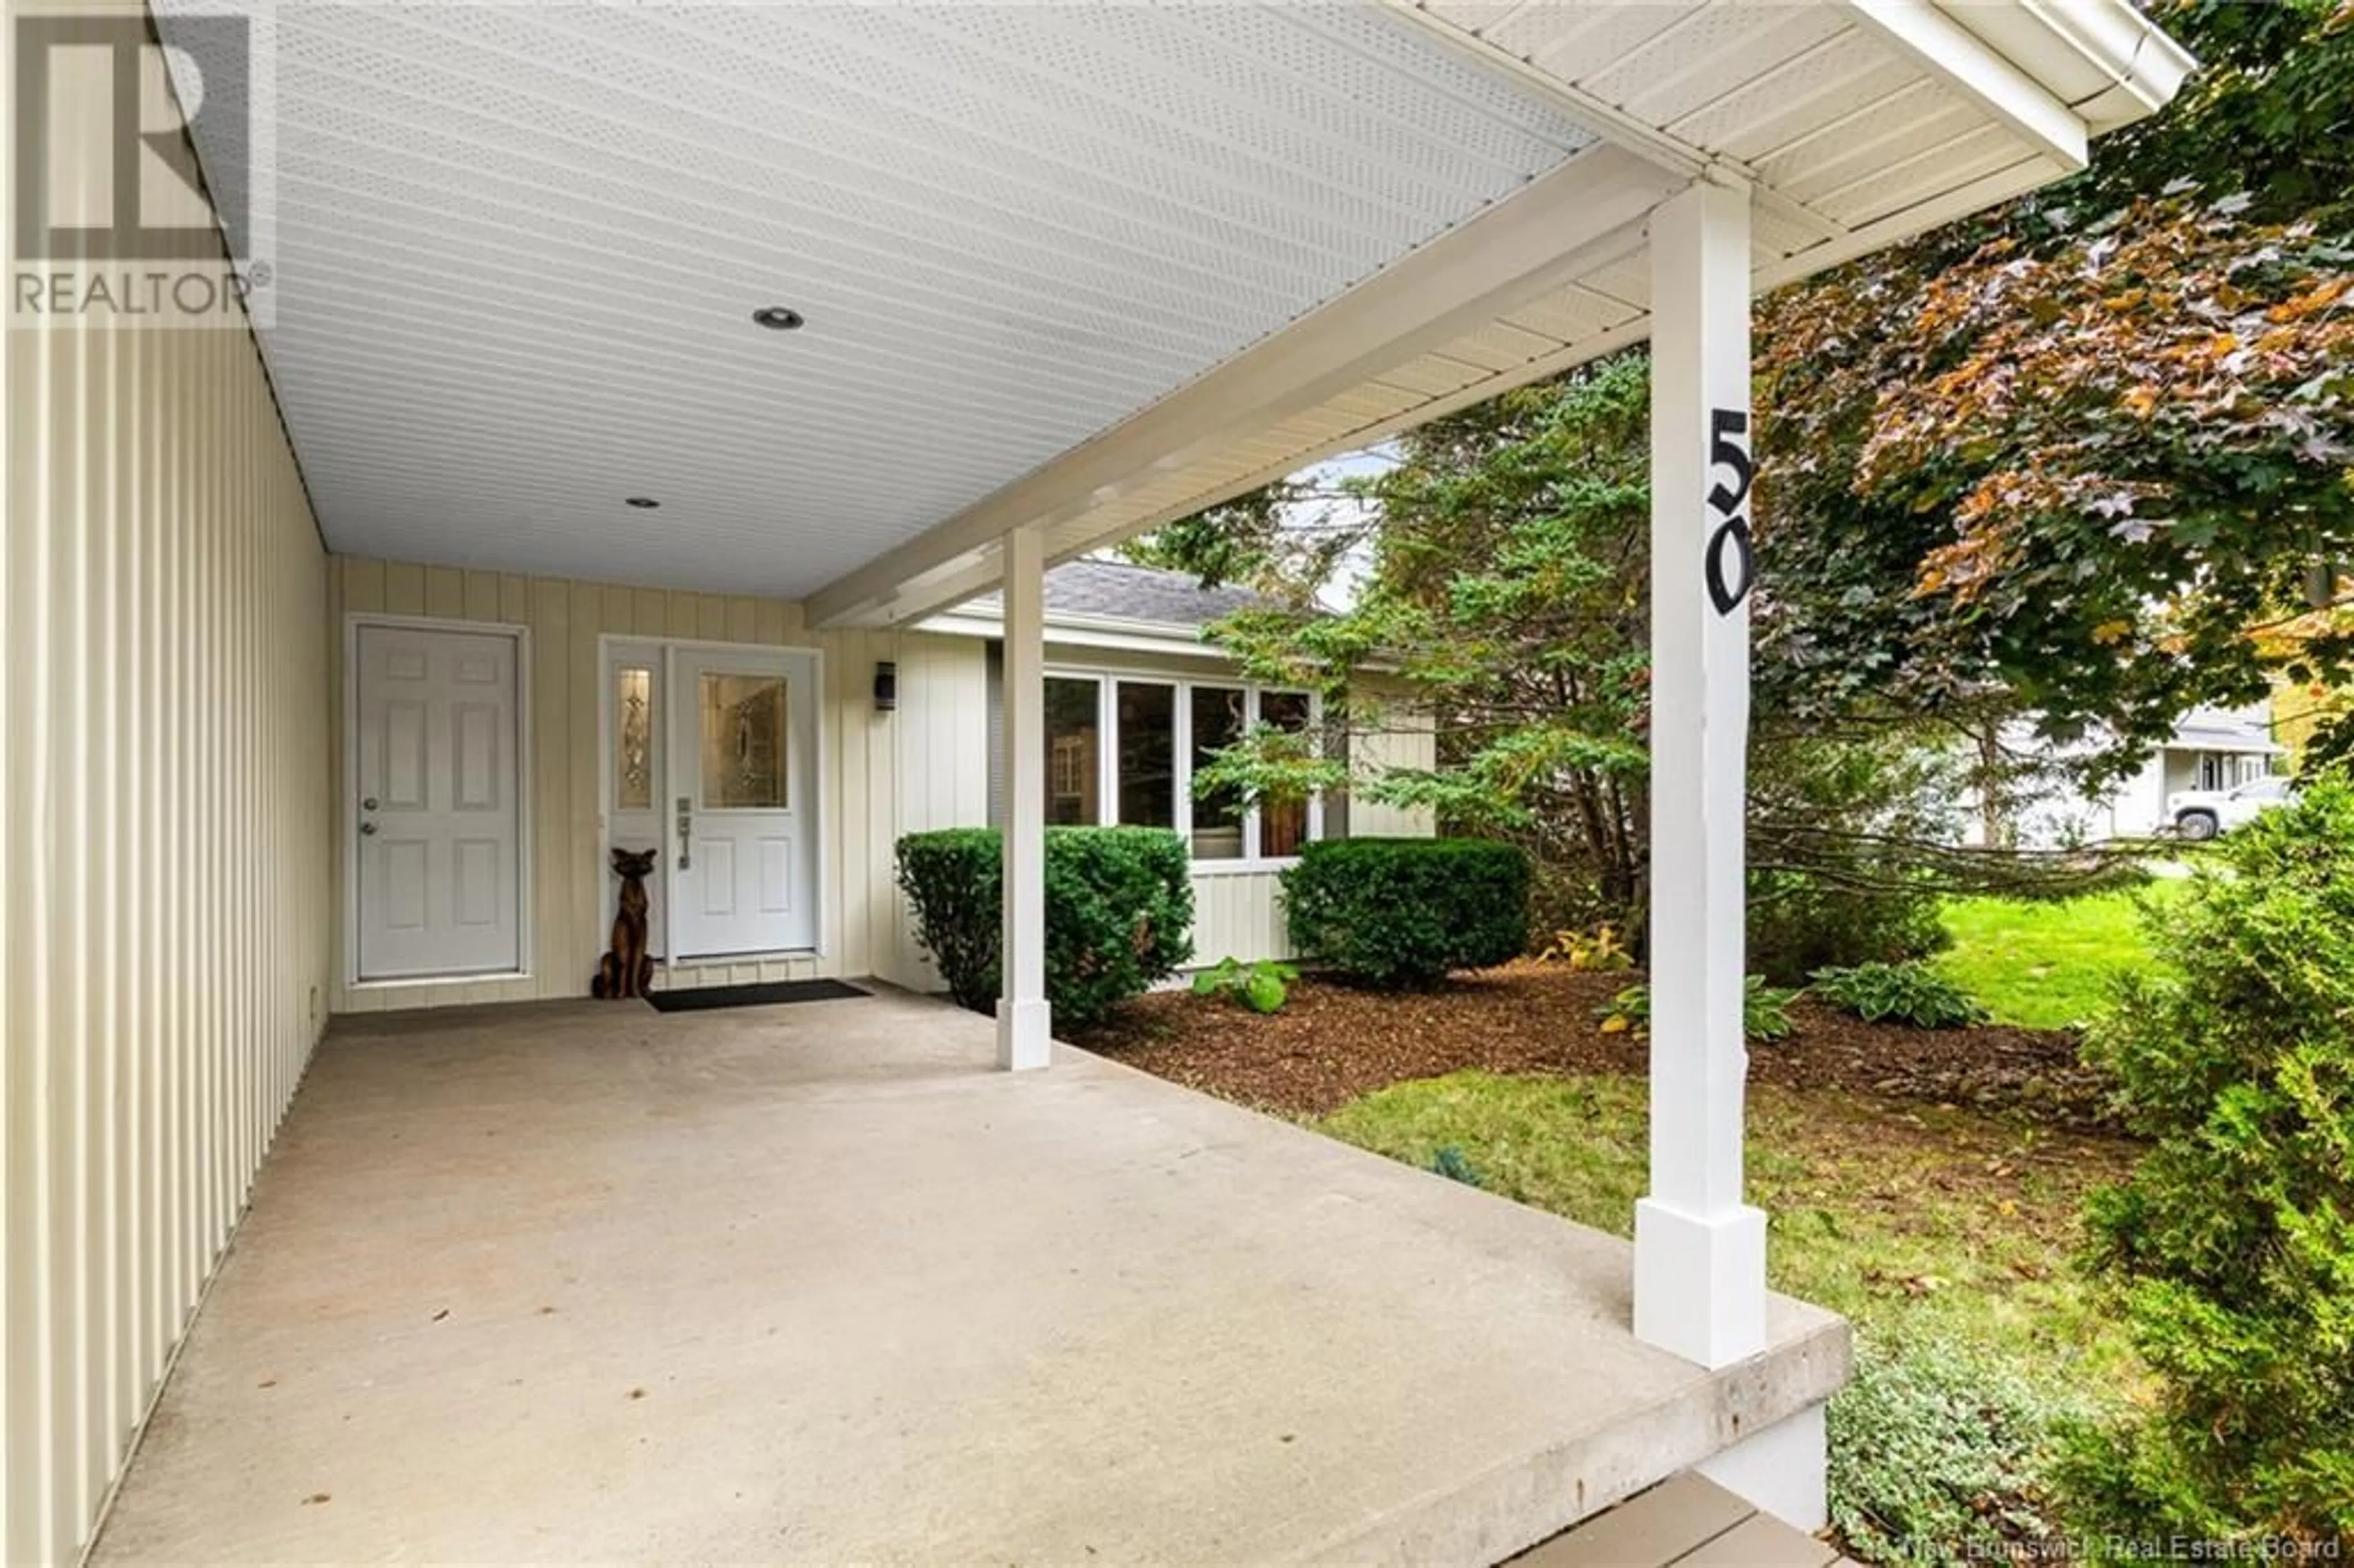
1910 993
1588 952
1765 1009
1263 986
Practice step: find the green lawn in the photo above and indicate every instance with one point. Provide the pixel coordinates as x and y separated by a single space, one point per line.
2047 966
1912 1222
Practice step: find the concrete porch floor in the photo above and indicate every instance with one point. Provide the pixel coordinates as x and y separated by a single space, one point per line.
572 1281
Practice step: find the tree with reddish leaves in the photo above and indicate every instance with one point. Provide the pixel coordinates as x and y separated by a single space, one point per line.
2071 459
2077 463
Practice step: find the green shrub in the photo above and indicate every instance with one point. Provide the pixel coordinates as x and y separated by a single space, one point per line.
1798 924
1910 993
1120 913
1263 986
1765 1009
1938 1456
2231 1248
950 878
1402 913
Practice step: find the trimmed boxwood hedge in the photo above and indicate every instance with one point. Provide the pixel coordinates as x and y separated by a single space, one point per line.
1400 912
1120 913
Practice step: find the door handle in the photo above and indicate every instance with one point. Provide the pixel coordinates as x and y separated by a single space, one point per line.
368 828
685 831
369 804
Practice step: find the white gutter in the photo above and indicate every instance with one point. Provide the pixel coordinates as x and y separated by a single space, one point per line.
1077 631
2104 58
1080 630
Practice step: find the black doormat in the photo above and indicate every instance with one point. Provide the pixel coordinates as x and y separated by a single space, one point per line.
696 999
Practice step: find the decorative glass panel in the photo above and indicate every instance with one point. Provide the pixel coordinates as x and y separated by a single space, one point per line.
1073 752
1283 821
743 729
1147 755
1218 813
634 740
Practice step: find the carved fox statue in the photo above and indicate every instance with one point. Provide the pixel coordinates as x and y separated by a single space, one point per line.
628 969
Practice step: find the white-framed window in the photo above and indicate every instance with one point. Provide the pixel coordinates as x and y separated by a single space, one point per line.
1122 748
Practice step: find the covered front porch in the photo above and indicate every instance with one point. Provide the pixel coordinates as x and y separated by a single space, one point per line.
561 1281
575 330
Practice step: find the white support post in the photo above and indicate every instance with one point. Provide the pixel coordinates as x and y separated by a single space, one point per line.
1700 1252
1025 1030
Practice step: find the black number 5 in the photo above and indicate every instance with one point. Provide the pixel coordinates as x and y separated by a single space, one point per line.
1730 564
1724 452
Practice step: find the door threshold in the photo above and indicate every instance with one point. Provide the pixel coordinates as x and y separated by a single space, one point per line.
769 956
489 976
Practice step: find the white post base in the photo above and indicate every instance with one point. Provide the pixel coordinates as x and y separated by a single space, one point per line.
1700 1284
1784 1470
1026 1036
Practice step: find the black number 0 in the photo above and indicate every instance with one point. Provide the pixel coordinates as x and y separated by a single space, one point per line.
1728 447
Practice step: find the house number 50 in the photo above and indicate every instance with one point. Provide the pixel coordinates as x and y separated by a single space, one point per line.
1731 564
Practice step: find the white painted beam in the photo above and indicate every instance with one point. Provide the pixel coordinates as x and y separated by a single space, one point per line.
1963 60
1700 1252
1025 1024
1520 248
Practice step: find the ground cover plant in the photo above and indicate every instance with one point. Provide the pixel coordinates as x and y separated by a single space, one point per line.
1910 993
1262 985
1765 1009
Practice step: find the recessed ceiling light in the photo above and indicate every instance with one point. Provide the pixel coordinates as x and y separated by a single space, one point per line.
778 318
645 501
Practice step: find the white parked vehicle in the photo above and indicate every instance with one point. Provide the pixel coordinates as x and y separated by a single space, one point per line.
2201 814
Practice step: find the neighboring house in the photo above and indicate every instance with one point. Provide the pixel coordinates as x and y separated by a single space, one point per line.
2214 748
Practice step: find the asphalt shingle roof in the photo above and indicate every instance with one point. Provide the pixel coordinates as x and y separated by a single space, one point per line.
1119 591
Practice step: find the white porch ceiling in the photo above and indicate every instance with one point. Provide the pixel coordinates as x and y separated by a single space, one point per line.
1082 267
1854 123
517 248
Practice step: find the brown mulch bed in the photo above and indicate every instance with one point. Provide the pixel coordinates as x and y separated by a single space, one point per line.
1331 1043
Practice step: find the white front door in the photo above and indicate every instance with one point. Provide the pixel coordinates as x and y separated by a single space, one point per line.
439 867
742 785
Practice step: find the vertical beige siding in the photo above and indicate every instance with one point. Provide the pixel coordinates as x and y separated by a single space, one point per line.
1406 740
164 914
943 747
888 774
1238 915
